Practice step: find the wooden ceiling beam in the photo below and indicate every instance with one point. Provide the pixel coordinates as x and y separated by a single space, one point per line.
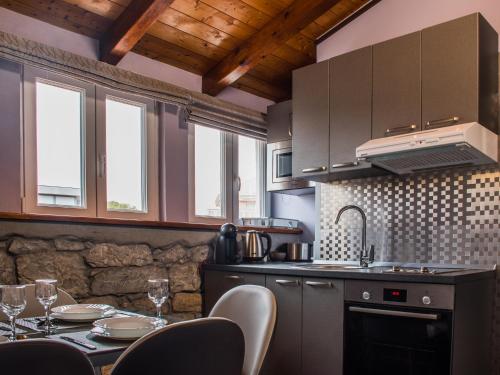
129 28
274 34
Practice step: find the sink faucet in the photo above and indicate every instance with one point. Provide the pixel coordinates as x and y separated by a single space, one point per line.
366 256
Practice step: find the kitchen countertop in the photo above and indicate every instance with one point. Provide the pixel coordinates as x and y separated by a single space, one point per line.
372 273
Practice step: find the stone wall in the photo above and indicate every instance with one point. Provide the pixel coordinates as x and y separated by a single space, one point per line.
109 272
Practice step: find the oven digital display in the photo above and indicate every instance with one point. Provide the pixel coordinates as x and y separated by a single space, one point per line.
395 295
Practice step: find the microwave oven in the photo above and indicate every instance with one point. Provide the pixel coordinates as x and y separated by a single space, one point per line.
279 171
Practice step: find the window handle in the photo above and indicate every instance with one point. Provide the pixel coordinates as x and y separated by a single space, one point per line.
101 165
238 183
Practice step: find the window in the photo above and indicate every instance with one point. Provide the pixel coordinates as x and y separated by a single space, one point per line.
127 170
59 144
89 151
209 166
60 166
226 176
251 177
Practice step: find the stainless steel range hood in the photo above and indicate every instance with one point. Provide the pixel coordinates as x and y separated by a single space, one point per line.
464 144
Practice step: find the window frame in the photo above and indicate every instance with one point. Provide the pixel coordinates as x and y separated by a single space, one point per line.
32 75
232 179
151 162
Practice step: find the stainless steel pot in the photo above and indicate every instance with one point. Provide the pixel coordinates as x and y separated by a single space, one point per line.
299 252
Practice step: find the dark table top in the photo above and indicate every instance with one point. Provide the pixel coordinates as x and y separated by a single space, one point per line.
107 352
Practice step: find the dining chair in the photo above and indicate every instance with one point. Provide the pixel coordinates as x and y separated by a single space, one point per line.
43 357
208 346
34 308
253 308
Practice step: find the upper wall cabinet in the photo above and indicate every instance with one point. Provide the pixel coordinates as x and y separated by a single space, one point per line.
396 86
460 73
350 107
311 123
279 119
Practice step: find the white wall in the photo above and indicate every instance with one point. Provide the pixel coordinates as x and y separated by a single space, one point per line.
43 32
392 18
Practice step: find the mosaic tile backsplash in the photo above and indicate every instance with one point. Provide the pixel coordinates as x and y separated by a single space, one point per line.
440 217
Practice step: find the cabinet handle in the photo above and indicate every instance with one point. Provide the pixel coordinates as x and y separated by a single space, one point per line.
233 277
348 164
400 129
101 165
441 122
314 169
320 284
288 282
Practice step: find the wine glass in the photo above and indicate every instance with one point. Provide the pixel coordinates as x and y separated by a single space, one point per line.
158 294
46 294
12 303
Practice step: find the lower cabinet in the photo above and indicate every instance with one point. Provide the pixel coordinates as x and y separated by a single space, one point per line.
217 283
284 356
322 326
308 336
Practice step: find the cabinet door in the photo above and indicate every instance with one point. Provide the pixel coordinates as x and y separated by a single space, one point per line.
311 128
217 283
459 73
279 122
285 349
396 86
350 107
322 325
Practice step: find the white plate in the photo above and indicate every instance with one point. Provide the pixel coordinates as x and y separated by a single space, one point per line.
82 312
127 328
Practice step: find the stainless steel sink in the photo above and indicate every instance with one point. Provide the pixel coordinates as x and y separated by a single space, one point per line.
328 267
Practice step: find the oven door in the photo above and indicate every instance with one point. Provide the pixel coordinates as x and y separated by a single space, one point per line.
386 340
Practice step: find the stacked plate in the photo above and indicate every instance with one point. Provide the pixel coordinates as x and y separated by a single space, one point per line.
126 328
83 312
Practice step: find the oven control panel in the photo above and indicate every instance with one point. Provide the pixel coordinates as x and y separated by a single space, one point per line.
436 296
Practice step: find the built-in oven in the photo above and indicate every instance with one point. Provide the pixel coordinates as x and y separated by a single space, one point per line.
403 329
279 170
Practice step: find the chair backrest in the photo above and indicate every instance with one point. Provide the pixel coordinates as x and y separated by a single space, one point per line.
253 308
34 308
208 346
43 357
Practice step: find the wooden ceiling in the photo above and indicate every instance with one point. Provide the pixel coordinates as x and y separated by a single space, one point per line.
252 45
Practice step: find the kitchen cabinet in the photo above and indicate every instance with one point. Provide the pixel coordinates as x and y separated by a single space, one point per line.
396 86
460 73
350 108
217 283
279 122
284 356
322 326
311 121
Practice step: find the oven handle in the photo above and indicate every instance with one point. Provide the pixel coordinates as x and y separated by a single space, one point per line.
404 314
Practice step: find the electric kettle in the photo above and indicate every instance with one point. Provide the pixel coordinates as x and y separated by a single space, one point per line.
226 245
254 248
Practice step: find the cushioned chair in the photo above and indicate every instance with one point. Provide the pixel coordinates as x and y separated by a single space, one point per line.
34 308
253 308
208 346
43 357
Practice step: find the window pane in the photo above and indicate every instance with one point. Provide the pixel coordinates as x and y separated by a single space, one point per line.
125 156
249 167
209 173
60 169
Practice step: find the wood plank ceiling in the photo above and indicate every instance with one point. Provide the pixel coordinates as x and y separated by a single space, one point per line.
201 35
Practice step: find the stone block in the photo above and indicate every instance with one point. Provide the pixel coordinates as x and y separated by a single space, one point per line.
187 302
173 254
69 244
199 253
124 280
68 268
20 245
111 255
7 268
184 278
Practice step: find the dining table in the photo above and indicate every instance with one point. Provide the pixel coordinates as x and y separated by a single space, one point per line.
104 351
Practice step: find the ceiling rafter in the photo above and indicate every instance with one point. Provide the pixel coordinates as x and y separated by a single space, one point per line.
130 26
270 38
